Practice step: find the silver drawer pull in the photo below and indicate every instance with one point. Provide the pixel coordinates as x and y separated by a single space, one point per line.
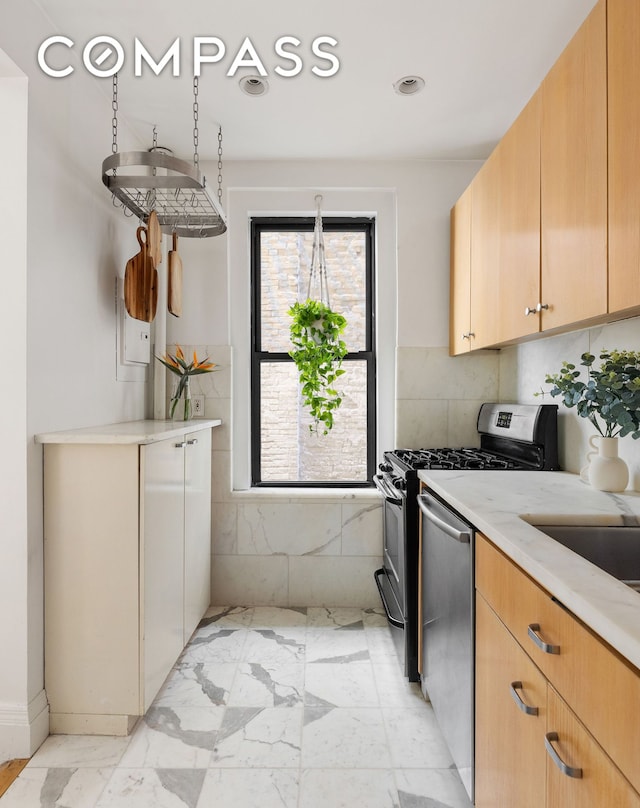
192 441
570 771
533 632
514 687
180 445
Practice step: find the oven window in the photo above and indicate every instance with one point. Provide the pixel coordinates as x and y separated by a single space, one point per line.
284 450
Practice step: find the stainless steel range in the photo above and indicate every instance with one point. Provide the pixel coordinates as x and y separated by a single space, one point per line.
513 437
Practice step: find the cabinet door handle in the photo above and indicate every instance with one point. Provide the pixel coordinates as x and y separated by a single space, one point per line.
192 441
533 631
542 306
180 445
468 335
514 687
529 310
570 771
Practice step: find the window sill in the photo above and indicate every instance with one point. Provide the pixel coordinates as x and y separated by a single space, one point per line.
309 494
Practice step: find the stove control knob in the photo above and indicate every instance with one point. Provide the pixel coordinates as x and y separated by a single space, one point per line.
385 467
400 483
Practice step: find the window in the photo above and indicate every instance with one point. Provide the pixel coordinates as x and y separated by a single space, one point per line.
283 449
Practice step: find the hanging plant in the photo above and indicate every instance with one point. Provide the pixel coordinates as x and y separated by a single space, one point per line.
318 352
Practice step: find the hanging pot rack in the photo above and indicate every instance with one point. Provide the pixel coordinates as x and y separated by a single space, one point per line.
156 180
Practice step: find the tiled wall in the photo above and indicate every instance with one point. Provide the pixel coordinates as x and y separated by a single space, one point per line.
438 396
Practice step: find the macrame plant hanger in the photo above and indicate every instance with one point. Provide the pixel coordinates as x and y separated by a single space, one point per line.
318 272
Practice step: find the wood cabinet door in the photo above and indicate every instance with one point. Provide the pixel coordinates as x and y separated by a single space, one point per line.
600 785
162 584
510 757
460 263
519 206
485 252
623 31
197 529
574 178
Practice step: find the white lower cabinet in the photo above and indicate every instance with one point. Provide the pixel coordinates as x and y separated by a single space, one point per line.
127 571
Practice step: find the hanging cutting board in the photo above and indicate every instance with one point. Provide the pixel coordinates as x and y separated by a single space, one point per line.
141 282
154 238
175 280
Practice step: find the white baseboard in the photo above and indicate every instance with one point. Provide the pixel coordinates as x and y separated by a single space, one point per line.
23 727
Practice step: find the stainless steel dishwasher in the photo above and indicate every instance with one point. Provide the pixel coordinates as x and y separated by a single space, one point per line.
447 619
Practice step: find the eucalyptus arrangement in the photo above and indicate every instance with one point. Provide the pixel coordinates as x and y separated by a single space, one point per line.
609 398
318 351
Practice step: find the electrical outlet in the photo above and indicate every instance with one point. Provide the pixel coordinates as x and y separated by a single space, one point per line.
197 405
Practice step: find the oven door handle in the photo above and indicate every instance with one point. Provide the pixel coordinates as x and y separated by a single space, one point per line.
463 536
389 494
392 620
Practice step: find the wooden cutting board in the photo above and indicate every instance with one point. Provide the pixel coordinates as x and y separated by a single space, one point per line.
175 280
141 282
154 238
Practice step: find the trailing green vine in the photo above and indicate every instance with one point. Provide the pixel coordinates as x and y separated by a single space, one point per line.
318 351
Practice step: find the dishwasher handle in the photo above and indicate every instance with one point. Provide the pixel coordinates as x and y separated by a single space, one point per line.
463 536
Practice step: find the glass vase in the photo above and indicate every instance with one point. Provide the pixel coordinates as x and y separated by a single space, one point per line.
185 397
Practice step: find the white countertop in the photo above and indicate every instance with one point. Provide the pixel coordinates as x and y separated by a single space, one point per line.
128 432
498 503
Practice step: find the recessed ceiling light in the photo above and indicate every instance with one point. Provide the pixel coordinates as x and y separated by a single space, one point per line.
408 85
254 85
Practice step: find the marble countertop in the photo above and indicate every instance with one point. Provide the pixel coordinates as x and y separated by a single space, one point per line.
504 505
128 432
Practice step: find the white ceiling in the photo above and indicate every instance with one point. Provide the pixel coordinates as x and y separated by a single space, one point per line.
481 60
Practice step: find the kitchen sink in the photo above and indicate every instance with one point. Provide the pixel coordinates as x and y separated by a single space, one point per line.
613 548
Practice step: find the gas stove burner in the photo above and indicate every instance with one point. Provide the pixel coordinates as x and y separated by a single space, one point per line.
450 458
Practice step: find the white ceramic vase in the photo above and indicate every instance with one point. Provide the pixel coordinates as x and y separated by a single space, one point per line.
605 471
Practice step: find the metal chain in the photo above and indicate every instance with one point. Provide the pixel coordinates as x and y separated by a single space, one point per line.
220 165
196 159
114 118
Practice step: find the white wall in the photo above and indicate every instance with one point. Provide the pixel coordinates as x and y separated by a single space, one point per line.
77 244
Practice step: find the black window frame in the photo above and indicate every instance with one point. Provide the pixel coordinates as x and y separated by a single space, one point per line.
260 224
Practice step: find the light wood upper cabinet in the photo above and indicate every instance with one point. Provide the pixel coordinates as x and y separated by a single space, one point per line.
485 252
460 276
624 153
574 178
519 213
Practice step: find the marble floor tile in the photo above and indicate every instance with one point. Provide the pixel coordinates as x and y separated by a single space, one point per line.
60 786
246 788
341 685
345 643
279 616
273 647
394 690
274 707
332 788
324 617
174 737
228 617
77 751
260 684
214 644
203 684
344 738
415 739
432 788
153 788
260 737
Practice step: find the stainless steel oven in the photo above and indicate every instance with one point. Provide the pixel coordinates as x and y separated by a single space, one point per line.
511 436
